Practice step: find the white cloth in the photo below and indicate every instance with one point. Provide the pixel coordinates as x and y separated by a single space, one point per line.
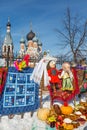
38 71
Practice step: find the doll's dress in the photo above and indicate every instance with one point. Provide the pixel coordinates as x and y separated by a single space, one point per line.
53 73
66 83
55 82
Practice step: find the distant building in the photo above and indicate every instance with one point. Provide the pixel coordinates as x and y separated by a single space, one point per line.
7 47
33 47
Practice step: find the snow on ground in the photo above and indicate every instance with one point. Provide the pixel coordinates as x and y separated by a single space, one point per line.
28 122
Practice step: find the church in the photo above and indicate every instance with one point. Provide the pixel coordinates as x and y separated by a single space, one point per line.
33 46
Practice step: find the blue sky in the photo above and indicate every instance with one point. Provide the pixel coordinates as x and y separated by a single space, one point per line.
45 15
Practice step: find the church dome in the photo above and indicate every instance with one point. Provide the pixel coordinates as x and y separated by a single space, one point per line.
9 24
35 39
30 35
22 40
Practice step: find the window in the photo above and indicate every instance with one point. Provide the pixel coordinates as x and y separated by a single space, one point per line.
4 48
8 48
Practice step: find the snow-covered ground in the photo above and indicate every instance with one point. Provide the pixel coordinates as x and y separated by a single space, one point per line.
28 122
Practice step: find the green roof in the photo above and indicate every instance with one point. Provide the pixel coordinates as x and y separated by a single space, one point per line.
22 40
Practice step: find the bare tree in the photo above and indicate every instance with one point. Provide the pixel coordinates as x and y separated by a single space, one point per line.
74 36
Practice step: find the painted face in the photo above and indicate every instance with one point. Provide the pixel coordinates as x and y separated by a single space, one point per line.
66 66
52 64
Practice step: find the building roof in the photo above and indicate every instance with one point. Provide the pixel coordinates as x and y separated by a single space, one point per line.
22 40
30 35
35 39
8 23
8 39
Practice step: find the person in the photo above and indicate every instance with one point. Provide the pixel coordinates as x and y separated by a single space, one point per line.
67 77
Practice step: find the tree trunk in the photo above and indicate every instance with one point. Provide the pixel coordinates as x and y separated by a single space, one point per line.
75 58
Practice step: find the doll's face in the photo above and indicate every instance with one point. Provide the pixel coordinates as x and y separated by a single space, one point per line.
52 64
66 66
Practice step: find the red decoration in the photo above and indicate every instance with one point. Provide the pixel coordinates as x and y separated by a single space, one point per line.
57 125
26 59
65 104
63 95
3 75
19 65
59 122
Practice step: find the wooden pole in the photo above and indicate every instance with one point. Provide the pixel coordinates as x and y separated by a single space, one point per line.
22 115
41 91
